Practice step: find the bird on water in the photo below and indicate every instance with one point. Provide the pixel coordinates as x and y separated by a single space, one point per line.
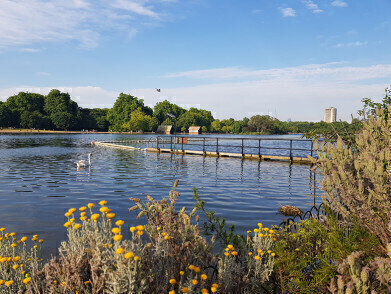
82 163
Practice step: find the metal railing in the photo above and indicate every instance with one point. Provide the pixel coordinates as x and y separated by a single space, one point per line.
219 145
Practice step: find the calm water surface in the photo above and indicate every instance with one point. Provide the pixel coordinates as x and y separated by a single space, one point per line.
39 182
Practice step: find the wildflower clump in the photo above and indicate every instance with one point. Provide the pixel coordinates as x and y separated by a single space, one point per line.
19 261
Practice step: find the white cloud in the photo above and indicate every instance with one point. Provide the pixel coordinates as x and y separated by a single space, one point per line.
335 72
299 93
312 6
351 44
27 22
339 3
30 50
42 73
288 12
256 11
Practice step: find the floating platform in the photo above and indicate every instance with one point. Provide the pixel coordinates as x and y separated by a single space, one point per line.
299 160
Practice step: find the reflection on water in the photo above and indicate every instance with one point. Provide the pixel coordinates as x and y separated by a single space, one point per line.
39 181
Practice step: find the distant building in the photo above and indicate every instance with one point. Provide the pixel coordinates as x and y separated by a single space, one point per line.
194 130
330 114
164 129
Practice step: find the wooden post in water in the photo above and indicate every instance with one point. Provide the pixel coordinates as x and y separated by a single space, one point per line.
203 147
290 152
242 147
217 146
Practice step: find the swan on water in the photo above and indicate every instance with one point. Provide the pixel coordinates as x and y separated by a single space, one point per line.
82 163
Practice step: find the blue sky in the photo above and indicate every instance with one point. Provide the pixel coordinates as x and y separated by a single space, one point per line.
289 59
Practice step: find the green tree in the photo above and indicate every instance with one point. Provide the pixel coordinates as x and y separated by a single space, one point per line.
34 119
64 113
162 109
6 116
100 118
123 107
195 117
263 123
139 121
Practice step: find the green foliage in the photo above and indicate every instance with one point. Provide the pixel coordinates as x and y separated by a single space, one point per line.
194 117
120 115
162 109
356 181
139 121
6 116
263 123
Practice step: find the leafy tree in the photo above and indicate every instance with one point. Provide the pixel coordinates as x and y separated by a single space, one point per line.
262 123
195 117
123 107
139 121
34 119
216 126
101 122
162 109
6 116
63 120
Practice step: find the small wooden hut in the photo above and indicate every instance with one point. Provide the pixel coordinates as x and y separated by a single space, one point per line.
164 129
194 130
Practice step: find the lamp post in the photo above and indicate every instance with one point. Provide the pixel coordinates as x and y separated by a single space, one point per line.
174 117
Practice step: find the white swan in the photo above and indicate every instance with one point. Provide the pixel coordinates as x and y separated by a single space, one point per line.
82 163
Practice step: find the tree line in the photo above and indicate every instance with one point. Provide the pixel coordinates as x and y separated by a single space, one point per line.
58 111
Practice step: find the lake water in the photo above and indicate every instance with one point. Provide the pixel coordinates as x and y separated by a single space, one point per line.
39 182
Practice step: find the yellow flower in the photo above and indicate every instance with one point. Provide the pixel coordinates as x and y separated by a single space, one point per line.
2 229
213 289
72 210
26 280
197 269
90 205
172 281
260 235
194 282
166 238
104 209
259 250
83 208
260 225
185 290
13 245
72 220
164 234
119 250
256 230
83 218
67 225
140 228
250 253
16 258
12 234
117 238
119 222
257 257
24 239
204 291
132 229
230 247
140 233
273 254
76 226
204 277
110 215
181 273
136 258
226 253
234 253
15 266
9 283
271 231
269 251
116 230
95 216
171 292
249 232
226 249
83 213
191 267
68 214
159 228
128 255
102 203
215 285
2 282
35 246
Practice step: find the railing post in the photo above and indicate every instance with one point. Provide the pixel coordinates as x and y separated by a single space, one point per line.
182 138
217 146
242 147
171 143
290 151
157 143
203 146
259 148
